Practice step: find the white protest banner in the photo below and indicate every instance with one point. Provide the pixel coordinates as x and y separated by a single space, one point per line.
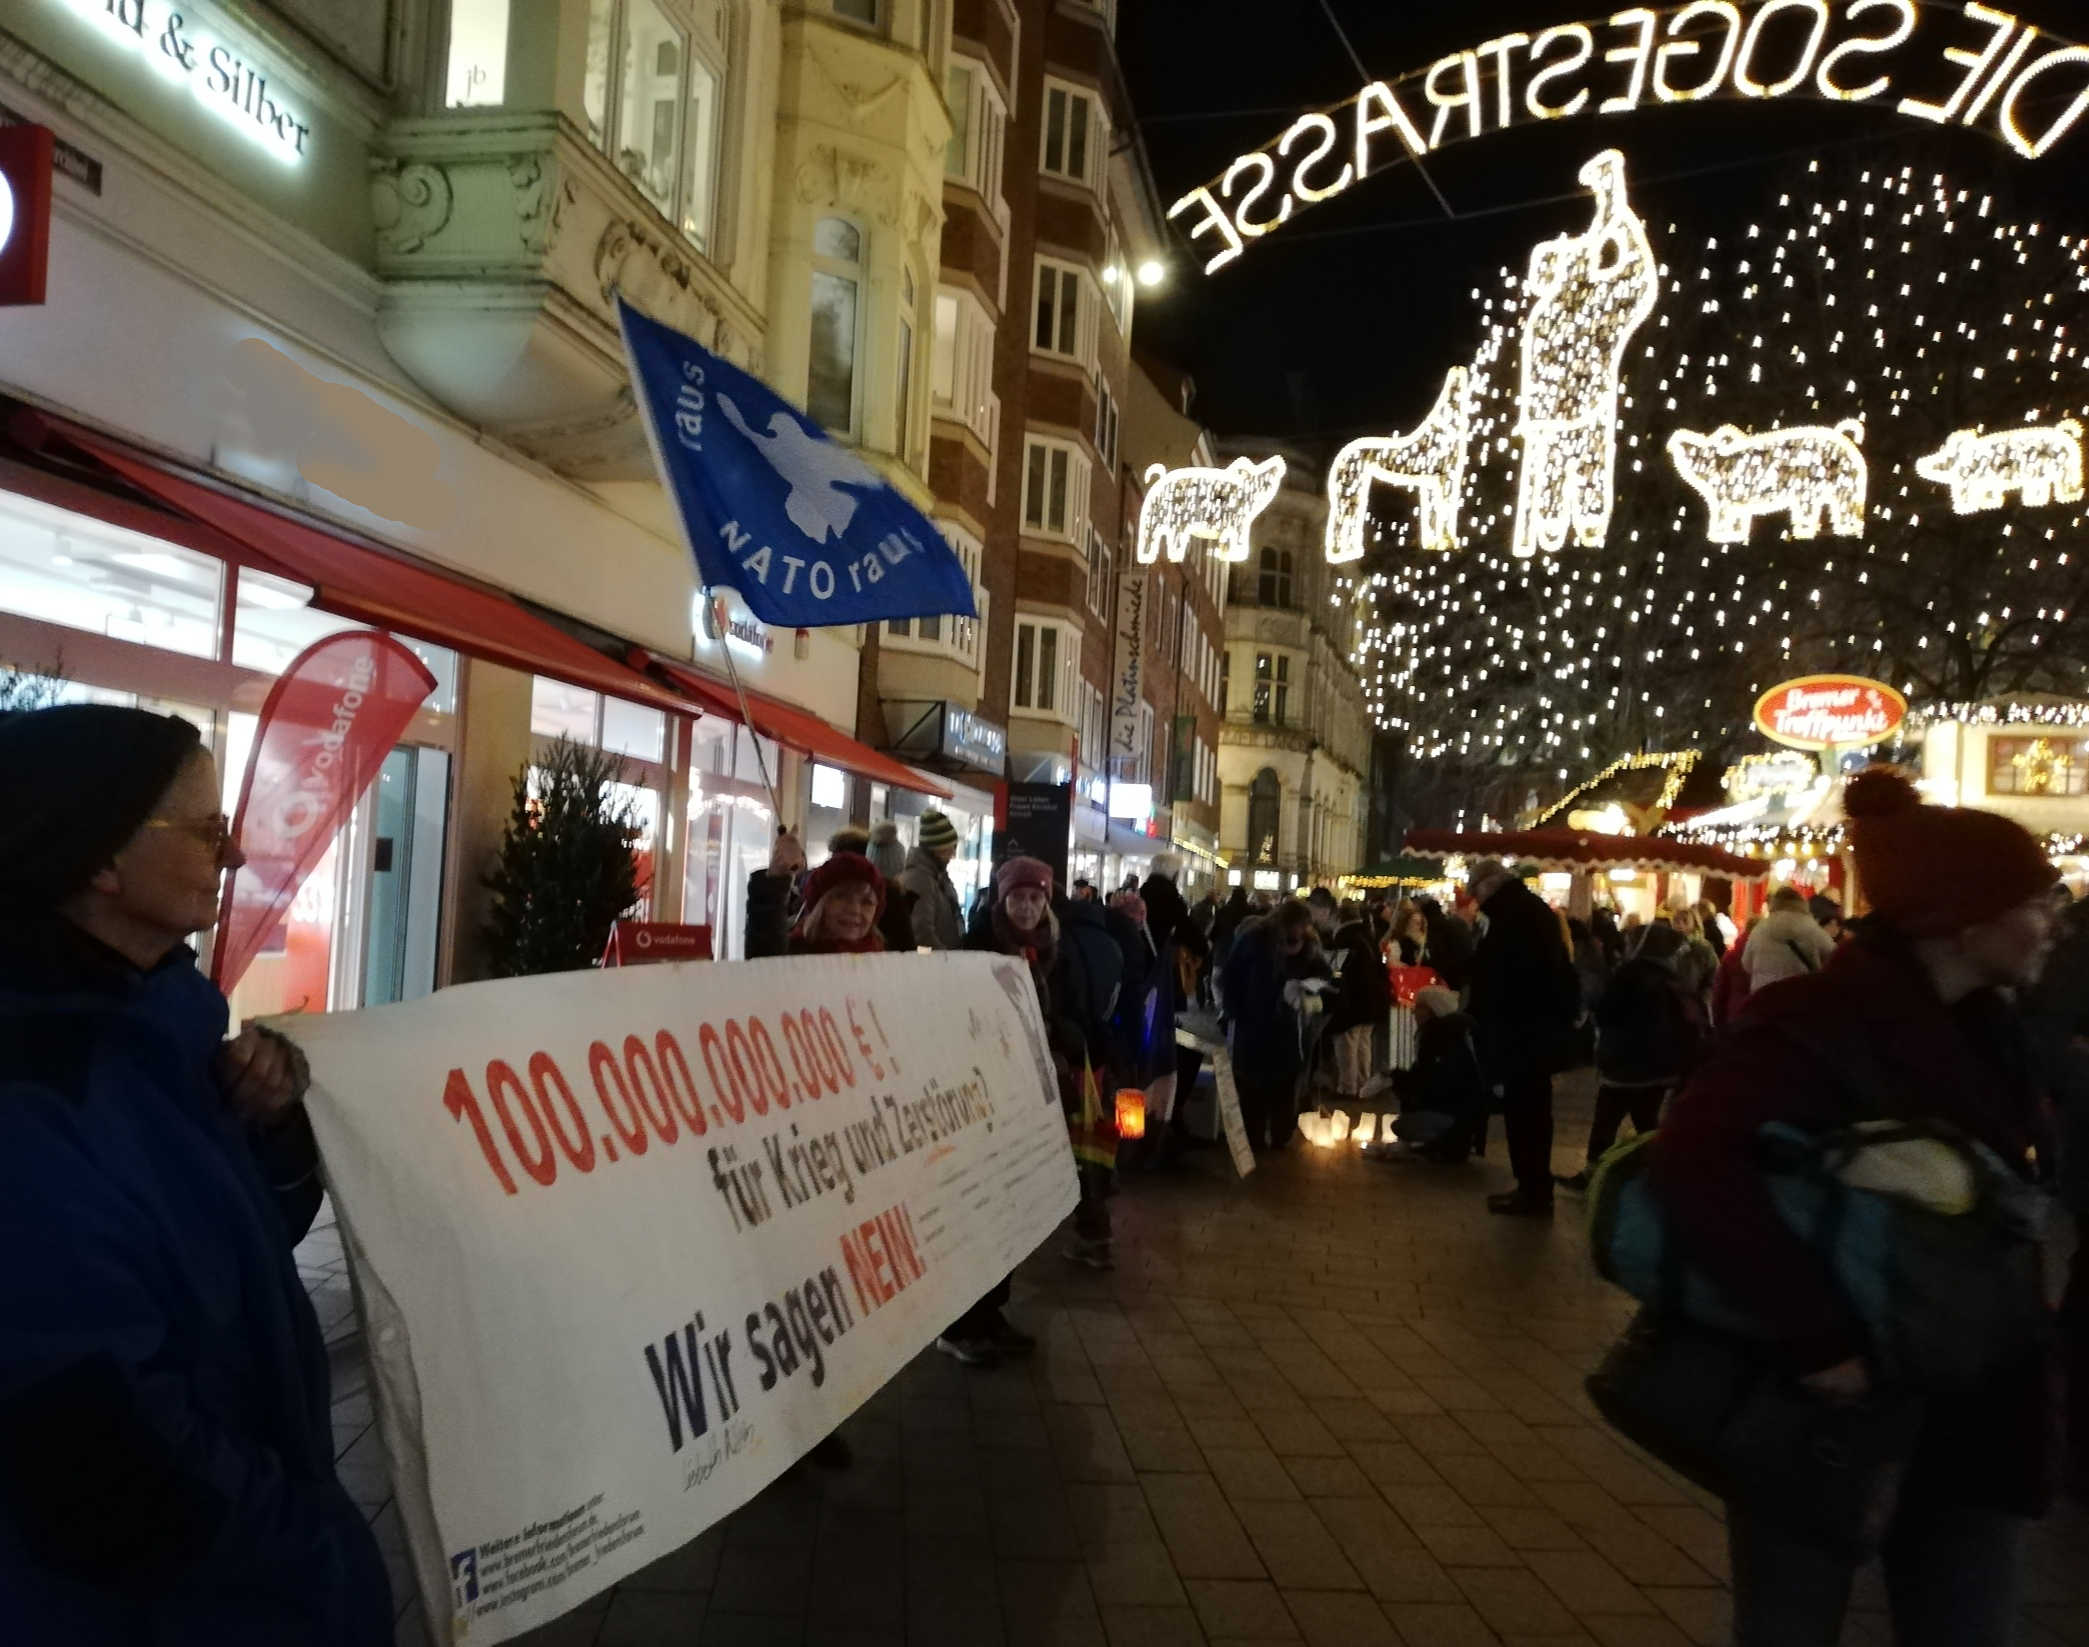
1236 1129
629 1242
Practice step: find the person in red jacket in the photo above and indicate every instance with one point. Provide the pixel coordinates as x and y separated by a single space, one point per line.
1913 1019
1730 986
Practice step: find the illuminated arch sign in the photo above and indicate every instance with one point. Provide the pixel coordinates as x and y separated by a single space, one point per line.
1964 65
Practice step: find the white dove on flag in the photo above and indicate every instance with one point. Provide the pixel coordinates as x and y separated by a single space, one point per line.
813 468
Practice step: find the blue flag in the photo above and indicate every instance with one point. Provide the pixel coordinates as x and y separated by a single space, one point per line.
806 531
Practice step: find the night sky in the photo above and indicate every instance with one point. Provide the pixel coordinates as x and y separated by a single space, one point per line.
1343 322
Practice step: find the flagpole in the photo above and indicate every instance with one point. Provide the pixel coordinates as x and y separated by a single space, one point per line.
715 602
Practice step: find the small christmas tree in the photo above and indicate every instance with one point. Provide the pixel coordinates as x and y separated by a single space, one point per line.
567 869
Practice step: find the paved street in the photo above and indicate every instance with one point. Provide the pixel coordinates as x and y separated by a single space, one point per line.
1336 1406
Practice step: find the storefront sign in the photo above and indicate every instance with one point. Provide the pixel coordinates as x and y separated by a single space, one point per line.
1038 822
1127 674
25 213
646 943
974 739
625 1250
1830 712
222 77
1971 66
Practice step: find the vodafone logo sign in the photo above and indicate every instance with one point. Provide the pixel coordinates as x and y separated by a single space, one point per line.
25 213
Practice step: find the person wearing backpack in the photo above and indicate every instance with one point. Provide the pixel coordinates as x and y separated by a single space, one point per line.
1650 1030
1913 1019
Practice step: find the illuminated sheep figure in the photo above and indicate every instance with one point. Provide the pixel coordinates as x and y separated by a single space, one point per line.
1205 503
1430 461
2042 462
1809 473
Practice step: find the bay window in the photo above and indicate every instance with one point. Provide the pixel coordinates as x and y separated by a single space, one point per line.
978 132
1065 313
945 634
651 91
1076 137
837 288
1047 671
1055 489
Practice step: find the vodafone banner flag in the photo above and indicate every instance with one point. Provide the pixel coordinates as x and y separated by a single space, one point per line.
330 720
628 1242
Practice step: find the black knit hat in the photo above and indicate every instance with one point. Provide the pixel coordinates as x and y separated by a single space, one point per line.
76 783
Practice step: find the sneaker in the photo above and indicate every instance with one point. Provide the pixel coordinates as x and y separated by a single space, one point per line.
831 1452
1095 1254
1008 1338
1518 1203
970 1352
1578 1184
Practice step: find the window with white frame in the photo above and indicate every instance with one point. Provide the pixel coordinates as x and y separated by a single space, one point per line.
962 373
946 634
1117 284
1076 135
837 292
909 299
1102 574
1047 669
1055 489
1065 312
653 92
1105 425
1091 724
978 131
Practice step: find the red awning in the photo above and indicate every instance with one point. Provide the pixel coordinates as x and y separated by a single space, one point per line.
386 591
791 726
1586 849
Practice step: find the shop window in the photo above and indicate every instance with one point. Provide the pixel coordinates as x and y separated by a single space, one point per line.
81 574
597 720
830 792
1075 136
273 621
478 68
837 285
651 91
2046 765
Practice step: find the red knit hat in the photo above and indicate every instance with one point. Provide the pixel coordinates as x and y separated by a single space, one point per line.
843 869
1935 870
1021 872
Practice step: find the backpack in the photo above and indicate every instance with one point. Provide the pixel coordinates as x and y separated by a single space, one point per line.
1936 1245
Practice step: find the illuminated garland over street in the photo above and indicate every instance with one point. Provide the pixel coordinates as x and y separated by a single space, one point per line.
1883 296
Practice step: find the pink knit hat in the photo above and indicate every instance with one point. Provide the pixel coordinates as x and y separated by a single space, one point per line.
1021 872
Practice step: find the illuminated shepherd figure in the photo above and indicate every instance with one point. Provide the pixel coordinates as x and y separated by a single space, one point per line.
1430 462
1205 503
1589 293
2042 462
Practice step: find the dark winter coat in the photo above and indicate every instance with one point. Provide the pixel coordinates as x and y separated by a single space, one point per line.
1450 948
939 923
1446 1078
896 920
1650 1025
166 1451
772 910
1226 924
1865 1036
2058 1014
1364 989
1076 987
1264 1028
1525 995
1168 918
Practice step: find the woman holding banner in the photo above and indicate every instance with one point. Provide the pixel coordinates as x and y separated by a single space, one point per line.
166 1456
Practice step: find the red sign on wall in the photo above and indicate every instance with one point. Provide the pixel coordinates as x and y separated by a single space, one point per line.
25 213
640 943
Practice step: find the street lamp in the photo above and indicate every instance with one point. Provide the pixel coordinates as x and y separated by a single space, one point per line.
1152 272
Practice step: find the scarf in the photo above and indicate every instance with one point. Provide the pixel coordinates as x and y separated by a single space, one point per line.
1038 946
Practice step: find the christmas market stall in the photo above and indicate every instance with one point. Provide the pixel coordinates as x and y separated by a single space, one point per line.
1577 868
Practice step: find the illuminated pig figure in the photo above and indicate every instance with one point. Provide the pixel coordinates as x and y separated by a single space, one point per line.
2043 462
1430 461
1806 472
1205 503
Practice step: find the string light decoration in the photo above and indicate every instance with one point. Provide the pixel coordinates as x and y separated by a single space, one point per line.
1809 474
1779 773
1429 461
2042 464
1220 504
1897 294
1679 766
1588 294
2004 713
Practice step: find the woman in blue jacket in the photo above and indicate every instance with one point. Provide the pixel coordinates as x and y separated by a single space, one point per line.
166 1459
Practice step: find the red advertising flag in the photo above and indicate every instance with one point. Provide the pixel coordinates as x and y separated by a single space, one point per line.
325 730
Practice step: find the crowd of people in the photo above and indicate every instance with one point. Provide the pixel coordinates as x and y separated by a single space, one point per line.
166 1468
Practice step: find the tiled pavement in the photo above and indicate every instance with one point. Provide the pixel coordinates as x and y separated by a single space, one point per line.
1335 1406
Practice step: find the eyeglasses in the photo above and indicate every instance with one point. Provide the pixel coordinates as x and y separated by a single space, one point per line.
215 833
